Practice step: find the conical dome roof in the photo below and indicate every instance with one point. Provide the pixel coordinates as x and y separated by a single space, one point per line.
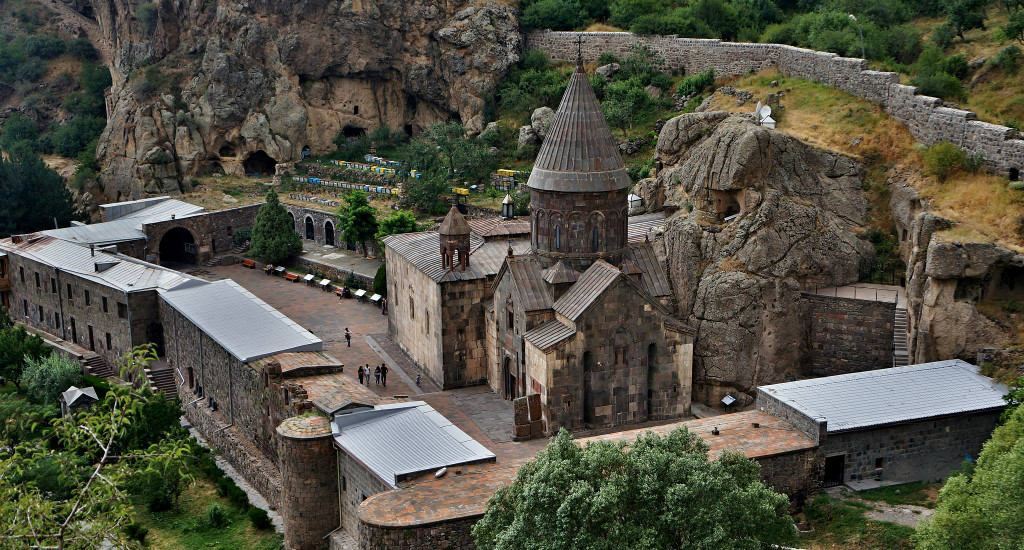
579 154
454 223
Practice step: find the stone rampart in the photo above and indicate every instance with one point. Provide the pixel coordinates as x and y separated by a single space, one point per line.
928 120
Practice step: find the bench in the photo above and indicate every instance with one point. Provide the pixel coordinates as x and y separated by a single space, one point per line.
251 264
291 276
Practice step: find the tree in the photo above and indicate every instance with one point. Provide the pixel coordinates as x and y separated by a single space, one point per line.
33 195
94 504
131 366
18 129
427 194
17 346
663 492
358 220
274 239
399 221
45 378
559 15
982 507
1014 27
965 15
445 151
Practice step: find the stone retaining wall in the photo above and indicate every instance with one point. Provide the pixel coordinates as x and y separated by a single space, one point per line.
926 117
848 335
451 535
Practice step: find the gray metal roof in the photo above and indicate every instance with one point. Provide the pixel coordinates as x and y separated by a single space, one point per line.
405 438
421 249
127 227
245 326
639 226
124 273
887 396
594 281
531 290
549 334
73 394
579 153
560 273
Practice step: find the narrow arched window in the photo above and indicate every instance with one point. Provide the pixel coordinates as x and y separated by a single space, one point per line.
595 240
558 237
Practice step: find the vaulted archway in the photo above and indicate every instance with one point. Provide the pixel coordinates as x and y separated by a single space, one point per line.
178 246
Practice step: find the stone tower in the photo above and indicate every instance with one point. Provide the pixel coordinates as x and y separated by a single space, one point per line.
454 236
579 185
309 481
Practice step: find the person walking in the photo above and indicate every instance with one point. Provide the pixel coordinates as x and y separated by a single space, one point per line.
417 380
348 337
366 369
360 369
376 375
384 375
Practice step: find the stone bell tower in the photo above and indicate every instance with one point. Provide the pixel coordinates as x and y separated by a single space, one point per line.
579 185
454 237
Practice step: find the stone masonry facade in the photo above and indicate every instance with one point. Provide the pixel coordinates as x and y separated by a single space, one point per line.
848 335
926 117
450 535
213 232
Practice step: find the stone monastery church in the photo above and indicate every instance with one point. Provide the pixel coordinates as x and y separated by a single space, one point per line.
575 307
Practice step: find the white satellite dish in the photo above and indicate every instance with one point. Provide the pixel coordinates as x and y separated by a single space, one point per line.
763 114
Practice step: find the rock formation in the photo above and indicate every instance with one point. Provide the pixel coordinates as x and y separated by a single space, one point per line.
761 216
948 278
224 86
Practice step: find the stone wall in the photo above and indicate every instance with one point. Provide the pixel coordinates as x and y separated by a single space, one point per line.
926 117
794 474
848 335
450 535
414 314
213 232
815 428
326 228
228 442
356 485
309 480
927 450
337 275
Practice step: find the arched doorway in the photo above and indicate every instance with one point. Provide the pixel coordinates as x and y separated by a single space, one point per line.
292 218
329 233
178 246
310 232
353 132
259 164
509 377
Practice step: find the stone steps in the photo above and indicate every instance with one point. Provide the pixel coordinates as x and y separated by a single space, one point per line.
900 353
163 381
96 365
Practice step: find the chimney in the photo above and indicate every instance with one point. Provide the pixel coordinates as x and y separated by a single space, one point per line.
92 250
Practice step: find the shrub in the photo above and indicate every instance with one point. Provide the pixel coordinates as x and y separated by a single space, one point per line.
559 15
380 281
75 135
21 420
1007 60
44 379
136 532
942 85
697 83
31 70
607 59
942 159
216 517
955 65
259 518
18 129
82 49
943 36
241 236
158 490
44 46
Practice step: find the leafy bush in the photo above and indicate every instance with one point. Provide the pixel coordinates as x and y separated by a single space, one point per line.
75 135
156 489
43 46
955 65
31 70
18 129
259 518
216 517
45 379
695 84
943 36
1007 60
942 159
559 15
942 85
82 49
241 236
21 420
606 59
136 532
380 281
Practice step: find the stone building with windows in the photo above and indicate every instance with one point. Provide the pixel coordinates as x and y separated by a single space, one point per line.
578 310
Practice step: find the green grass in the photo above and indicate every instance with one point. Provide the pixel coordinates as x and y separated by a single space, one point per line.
918 493
842 524
187 528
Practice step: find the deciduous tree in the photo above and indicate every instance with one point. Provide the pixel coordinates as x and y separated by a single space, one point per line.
358 219
661 492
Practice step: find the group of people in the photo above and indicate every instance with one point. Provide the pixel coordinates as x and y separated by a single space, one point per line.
380 375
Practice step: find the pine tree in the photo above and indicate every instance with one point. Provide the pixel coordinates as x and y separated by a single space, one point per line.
274 239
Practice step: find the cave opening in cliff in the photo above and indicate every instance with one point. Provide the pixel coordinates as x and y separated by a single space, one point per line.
726 203
259 164
353 132
226 150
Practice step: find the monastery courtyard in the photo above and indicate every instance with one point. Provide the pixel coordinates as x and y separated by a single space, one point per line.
477 410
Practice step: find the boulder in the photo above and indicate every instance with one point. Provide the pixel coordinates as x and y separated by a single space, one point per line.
540 120
607 71
527 136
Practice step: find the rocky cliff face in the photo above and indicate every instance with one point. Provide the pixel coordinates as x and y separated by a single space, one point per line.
761 216
226 86
957 287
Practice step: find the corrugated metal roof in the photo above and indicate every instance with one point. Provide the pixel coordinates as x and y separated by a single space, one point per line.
247 327
639 226
579 153
548 334
888 396
125 273
127 227
405 438
654 278
73 394
423 251
594 281
561 273
533 293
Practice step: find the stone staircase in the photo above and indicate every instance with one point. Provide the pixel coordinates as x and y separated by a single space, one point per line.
96 365
163 381
900 355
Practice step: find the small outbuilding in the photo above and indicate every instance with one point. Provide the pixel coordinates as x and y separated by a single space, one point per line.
77 398
902 424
